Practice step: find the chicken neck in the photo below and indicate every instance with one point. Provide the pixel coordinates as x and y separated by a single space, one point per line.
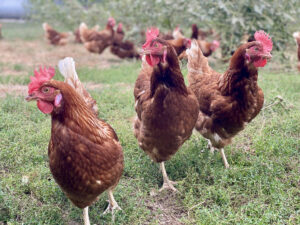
168 75
76 115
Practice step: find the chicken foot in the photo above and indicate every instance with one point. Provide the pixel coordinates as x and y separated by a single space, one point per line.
168 184
212 149
112 205
86 216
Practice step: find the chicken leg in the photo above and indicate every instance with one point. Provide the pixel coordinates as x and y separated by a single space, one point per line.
86 216
113 205
212 149
168 184
224 158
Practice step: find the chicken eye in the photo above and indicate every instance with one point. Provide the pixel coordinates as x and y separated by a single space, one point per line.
46 89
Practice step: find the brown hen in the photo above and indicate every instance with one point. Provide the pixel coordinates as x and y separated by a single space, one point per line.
85 156
77 33
118 35
123 52
121 48
179 42
208 48
97 41
166 109
54 37
201 34
227 102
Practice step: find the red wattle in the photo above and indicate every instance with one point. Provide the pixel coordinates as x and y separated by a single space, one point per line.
152 60
260 63
45 107
148 60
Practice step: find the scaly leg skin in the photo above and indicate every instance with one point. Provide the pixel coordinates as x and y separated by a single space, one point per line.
168 184
86 216
112 206
224 158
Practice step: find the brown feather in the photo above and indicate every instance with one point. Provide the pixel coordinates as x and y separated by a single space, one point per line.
228 101
166 109
178 45
124 53
96 41
85 156
54 37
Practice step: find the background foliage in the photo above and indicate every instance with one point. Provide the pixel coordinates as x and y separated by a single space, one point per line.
231 19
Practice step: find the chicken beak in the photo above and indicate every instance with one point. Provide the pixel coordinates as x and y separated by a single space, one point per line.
144 52
266 56
31 97
153 51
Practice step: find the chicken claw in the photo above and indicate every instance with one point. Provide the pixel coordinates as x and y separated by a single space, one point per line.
168 184
112 205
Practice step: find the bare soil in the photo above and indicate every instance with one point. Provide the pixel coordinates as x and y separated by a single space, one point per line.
39 52
166 207
9 89
18 57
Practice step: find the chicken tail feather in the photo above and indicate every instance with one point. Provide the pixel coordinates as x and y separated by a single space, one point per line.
197 62
45 26
82 31
66 67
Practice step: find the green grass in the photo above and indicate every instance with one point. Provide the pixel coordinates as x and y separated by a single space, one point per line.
25 31
261 187
115 74
24 80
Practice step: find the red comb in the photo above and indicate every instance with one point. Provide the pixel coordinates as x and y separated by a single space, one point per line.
40 77
187 42
151 34
264 39
112 21
120 27
216 43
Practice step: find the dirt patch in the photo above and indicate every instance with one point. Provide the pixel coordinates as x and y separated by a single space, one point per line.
38 52
7 71
94 86
166 207
18 90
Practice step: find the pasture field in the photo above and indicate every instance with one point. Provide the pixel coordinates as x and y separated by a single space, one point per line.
262 185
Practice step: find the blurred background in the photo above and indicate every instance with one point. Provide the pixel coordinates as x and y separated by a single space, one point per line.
231 19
